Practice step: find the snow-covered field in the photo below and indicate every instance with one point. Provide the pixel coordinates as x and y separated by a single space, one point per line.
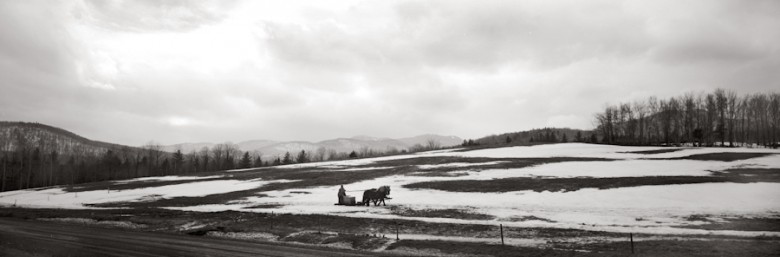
660 209
57 197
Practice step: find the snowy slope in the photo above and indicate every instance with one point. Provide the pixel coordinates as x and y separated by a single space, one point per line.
641 209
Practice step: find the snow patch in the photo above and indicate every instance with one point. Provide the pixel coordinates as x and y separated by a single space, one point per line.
244 235
58 198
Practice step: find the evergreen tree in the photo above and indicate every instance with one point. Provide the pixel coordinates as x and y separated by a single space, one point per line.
302 157
578 137
565 138
246 161
287 158
165 166
353 154
508 140
229 162
258 162
178 161
196 164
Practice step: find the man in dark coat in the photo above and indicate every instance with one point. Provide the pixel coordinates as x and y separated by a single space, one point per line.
342 193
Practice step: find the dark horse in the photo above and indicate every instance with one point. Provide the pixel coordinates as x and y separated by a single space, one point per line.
376 195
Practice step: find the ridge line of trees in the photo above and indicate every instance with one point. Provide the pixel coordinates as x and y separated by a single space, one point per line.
533 137
719 118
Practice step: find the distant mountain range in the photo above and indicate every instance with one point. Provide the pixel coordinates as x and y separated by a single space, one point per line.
274 148
53 138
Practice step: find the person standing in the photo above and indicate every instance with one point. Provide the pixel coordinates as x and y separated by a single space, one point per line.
342 194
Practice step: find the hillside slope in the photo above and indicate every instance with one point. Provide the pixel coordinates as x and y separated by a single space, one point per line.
35 135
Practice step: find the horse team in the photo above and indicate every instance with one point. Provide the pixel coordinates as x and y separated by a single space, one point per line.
375 195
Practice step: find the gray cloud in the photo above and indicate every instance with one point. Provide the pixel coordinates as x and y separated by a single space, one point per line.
146 15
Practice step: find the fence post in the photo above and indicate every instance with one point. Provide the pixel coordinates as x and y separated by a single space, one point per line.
631 237
396 232
501 226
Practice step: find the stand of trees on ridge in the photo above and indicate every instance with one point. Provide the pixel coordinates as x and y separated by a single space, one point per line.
533 137
719 118
37 155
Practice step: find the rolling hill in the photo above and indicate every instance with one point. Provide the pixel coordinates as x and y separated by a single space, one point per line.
35 135
274 148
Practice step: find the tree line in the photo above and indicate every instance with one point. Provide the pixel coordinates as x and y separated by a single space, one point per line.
36 157
532 137
719 118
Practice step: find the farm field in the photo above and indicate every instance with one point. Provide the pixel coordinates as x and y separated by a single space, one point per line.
556 199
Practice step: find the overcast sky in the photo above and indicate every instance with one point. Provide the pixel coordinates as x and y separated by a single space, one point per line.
193 71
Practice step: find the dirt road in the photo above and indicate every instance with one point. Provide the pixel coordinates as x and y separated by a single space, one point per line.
36 238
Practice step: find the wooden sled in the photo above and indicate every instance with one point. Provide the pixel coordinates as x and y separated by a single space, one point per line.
348 201
350 204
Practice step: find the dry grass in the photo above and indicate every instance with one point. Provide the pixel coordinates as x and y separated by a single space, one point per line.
556 184
659 151
477 249
725 157
354 231
574 184
739 224
465 214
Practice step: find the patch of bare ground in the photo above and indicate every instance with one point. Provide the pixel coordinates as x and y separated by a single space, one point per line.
361 242
556 184
441 213
659 151
685 248
264 206
751 175
573 184
114 185
527 218
308 237
184 201
735 223
725 157
437 174
364 242
428 247
283 224
673 248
